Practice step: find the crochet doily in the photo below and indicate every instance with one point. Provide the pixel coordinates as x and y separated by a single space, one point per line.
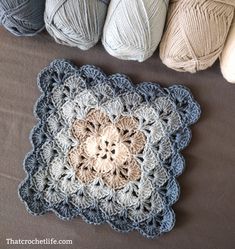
106 149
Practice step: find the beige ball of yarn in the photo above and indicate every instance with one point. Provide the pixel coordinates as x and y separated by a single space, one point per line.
133 28
195 33
227 59
76 23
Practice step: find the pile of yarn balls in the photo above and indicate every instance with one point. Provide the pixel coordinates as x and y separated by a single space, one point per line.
191 35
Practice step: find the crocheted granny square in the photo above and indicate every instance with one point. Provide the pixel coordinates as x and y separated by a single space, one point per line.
106 149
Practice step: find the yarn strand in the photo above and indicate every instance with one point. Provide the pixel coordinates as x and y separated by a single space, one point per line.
227 59
76 23
195 33
133 28
22 17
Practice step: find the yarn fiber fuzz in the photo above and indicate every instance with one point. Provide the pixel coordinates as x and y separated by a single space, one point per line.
227 59
195 33
133 28
76 23
22 17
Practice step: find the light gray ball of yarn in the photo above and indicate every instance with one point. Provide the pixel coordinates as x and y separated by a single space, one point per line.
133 28
22 17
76 23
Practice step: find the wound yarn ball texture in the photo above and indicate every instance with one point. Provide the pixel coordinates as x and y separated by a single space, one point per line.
227 59
76 23
195 33
22 17
133 28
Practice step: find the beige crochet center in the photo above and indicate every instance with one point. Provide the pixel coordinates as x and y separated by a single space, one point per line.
106 149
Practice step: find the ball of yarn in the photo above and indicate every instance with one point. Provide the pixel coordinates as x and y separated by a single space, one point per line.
22 17
195 33
76 23
227 59
133 28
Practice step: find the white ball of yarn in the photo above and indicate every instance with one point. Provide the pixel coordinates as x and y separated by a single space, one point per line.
133 28
76 23
227 59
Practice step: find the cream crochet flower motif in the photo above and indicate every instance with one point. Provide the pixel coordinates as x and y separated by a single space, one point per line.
106 150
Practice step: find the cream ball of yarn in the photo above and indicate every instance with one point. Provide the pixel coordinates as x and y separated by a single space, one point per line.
227 59
195 33
22 17
133 28
76 23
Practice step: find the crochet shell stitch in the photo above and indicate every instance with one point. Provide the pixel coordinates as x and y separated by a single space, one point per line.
107 150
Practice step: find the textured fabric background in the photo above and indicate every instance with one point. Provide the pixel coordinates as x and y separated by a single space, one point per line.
205 212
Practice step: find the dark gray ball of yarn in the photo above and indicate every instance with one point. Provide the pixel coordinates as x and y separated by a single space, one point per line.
22 17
